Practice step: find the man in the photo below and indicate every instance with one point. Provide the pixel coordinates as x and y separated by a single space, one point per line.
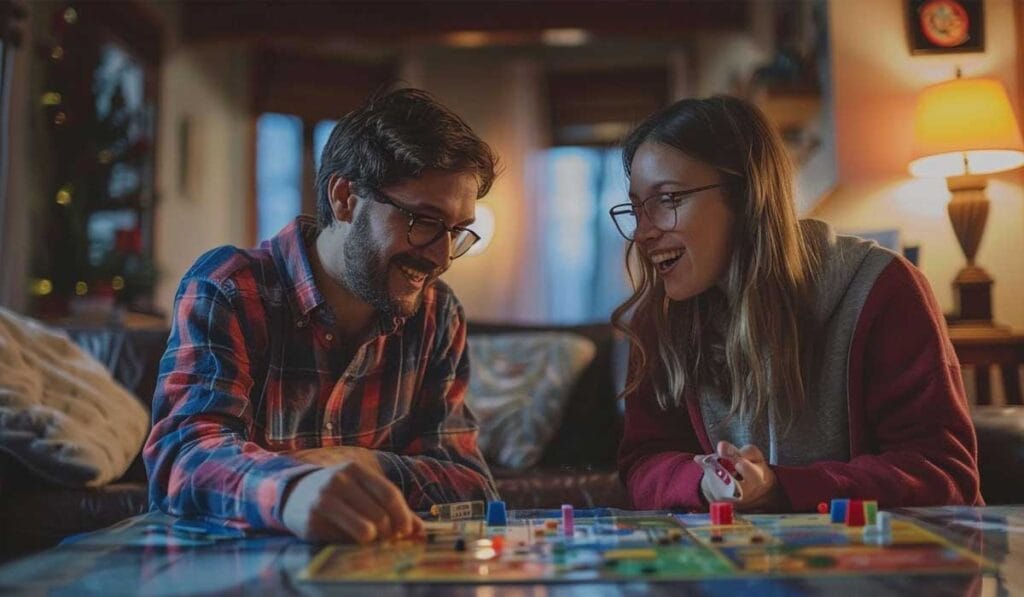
316 384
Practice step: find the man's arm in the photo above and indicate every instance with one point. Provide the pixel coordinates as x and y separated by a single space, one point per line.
442 462
199 457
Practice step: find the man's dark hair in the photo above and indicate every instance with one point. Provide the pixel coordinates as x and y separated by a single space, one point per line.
395 137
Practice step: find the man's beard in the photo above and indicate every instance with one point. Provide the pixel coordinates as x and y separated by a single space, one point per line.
366 272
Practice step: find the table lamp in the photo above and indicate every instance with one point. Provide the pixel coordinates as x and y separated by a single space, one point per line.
963 130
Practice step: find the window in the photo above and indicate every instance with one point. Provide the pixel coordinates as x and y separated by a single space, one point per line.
583 256
278 172
280 141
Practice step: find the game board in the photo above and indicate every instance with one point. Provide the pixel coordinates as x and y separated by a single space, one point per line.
610 545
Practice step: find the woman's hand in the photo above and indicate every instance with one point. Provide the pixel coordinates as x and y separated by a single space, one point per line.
761 490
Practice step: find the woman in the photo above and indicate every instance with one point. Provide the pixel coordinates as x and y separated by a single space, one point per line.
819 365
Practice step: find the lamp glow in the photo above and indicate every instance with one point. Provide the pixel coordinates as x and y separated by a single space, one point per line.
484 226
964 129
965 126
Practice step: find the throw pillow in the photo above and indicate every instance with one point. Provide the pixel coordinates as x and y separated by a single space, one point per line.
61 413
518 389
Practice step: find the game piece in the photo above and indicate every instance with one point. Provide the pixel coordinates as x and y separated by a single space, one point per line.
675 535
540 532
498 543
839 511
822 508
757 538
551 524
721 513
638 553
458 511
721 483
717 538
568 521
883 524
855 513
870 511
496 515
460 544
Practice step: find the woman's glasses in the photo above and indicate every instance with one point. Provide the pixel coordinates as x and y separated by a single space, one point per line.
660 210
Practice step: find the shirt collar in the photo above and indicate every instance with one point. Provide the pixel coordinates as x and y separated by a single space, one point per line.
290 248
290 251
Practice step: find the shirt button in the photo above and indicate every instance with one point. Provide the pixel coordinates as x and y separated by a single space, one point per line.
301 323
329 426
329 337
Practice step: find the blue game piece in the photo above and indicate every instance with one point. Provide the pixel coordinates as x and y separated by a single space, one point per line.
839 507
496 516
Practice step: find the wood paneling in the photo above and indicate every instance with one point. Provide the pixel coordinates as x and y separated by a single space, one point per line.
234 19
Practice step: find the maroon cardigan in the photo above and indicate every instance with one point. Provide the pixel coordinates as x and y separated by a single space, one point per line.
911 438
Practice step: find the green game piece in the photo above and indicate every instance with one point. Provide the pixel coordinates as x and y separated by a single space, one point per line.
871 512
820 562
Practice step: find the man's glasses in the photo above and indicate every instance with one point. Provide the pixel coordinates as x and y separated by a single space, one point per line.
425 230
660 210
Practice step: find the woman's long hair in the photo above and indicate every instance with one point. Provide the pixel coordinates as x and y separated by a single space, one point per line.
747 336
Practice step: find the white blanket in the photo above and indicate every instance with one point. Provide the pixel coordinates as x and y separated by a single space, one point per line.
61 413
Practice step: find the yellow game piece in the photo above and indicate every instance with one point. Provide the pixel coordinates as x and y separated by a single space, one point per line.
457 511
630 554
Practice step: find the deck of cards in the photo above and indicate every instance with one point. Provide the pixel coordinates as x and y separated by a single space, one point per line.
720 479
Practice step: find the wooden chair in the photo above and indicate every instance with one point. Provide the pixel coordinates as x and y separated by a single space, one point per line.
983 348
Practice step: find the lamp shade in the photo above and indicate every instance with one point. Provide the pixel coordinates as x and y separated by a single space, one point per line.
965 119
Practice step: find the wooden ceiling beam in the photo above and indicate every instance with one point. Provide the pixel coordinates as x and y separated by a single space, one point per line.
260 21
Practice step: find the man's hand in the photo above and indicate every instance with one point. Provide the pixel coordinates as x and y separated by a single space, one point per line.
760 486
349 502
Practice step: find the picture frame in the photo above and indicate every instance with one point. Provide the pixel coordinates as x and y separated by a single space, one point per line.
945 26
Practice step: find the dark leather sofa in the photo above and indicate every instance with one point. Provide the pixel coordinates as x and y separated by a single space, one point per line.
577 467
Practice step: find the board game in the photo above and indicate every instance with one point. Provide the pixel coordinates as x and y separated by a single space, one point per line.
613 545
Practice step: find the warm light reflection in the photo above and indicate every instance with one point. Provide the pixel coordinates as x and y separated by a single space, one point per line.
467 39
63 195
41 287
978 162
51 98
484 226
565 37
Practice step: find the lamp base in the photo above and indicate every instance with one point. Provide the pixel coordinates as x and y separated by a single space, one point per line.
972 288
972 297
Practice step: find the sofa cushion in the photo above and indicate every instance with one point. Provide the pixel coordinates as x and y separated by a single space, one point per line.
518 389
35 516
1000 432
550 488
61 413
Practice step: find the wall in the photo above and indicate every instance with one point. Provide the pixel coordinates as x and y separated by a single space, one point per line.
24 188
209 87
876 81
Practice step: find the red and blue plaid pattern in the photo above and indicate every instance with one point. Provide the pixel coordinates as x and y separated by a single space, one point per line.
253 370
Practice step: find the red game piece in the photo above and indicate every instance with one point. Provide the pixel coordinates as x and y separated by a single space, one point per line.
498 543
822 508
721 513
855 513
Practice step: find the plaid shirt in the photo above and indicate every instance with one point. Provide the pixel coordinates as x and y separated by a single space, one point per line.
253 370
